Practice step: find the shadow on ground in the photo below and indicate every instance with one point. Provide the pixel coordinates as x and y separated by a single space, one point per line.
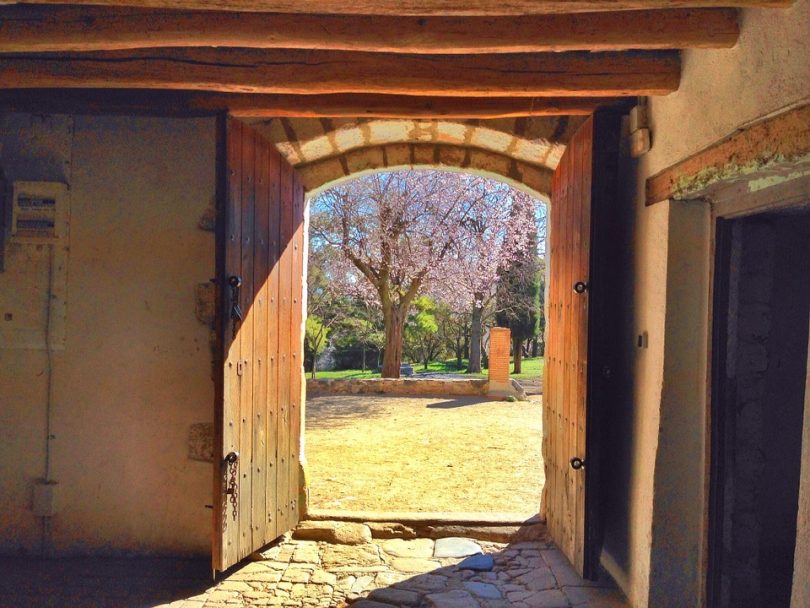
101 582
458 402
325 411
380 573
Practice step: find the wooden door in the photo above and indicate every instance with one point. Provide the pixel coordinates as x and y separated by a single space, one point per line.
577 385
260 244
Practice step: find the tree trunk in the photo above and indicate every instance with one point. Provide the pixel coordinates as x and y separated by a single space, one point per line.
364 356
517 347
459 354
536 347
475 340
314 365
394 326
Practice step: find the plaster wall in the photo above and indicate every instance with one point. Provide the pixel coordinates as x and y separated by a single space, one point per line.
135 371
654 535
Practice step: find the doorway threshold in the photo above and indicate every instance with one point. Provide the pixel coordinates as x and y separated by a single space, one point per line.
494 527
468 518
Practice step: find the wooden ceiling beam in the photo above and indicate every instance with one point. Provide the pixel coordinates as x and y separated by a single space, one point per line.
69 29
575 74
420 7
250 105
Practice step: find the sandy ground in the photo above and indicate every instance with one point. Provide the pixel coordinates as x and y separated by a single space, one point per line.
424 454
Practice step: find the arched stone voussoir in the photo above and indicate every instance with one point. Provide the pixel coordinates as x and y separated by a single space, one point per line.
322 174
534 140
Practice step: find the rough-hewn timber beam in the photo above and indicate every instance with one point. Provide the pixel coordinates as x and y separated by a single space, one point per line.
419 7
253 105
576 74
66 29
777 140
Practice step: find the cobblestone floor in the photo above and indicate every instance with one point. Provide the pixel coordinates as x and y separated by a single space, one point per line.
417 573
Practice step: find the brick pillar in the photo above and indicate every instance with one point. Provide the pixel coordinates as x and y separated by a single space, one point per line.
500 341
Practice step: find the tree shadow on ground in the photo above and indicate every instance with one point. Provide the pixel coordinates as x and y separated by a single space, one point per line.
327 411
458 402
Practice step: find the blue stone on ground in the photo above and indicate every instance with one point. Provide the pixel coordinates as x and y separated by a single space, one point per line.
479 562
483 590
455 547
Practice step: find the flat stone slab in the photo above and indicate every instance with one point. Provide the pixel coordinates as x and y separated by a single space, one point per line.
420 547
370 604
452 599
391 530
479 562
339 532
455 547
397 597
552 598
337 556
487 591
414 565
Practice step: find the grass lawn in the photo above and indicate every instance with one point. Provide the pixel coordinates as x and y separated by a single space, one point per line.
532 369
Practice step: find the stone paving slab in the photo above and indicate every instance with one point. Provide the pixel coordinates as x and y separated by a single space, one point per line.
313 574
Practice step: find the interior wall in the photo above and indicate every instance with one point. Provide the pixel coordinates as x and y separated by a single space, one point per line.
762 407
654 535
801 559
135 371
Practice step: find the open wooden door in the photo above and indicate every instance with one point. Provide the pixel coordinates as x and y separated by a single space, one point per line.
260 244
577 384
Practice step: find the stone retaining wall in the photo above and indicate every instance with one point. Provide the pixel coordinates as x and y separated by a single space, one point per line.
399 386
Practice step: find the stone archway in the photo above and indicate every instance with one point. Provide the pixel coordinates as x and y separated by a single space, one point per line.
520 151
323 174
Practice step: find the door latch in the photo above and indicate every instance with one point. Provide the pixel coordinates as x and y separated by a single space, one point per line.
577 463
235 283
232 482
580 287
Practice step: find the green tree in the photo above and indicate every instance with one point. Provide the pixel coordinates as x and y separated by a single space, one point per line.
518 297
315 339
422 339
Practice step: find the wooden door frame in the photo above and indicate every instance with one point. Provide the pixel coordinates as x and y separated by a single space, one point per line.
729 201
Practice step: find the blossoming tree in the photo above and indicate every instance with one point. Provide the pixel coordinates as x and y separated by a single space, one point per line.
405 233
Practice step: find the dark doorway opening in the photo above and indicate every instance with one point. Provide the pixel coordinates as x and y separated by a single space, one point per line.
762 307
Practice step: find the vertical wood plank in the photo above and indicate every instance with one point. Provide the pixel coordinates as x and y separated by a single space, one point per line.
261 238
285 308
232 346
276 431
296 341
246 339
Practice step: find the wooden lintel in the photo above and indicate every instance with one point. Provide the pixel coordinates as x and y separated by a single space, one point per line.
247 105
398 106
70 29
781 139
574 74
419 7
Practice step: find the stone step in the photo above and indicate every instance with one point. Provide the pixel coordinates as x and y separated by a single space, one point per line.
353 532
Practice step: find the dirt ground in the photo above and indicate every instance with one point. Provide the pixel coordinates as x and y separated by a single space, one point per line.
424 454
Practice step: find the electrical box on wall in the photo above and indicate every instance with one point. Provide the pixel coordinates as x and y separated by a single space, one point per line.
37 211
33 284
